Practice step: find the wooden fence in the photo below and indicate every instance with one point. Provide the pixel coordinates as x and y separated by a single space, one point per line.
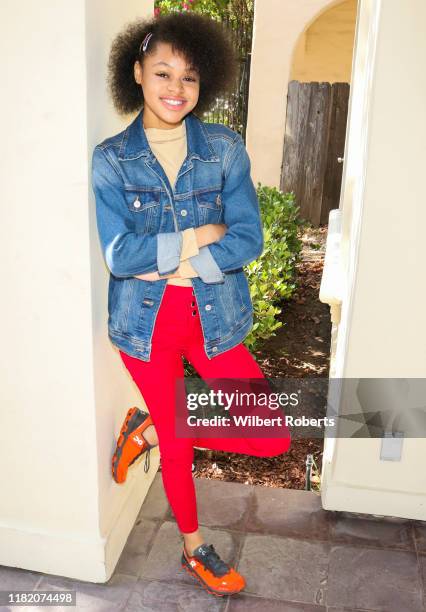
314 145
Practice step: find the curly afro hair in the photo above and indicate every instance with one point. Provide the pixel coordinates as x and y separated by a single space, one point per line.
203 42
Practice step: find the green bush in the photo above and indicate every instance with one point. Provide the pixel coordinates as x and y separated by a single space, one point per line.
271 277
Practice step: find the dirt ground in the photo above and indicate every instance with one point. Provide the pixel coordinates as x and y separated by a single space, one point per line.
299 349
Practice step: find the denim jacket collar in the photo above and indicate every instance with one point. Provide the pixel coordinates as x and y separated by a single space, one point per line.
135 143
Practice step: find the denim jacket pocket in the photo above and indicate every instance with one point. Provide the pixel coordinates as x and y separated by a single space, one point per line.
144 204
209 205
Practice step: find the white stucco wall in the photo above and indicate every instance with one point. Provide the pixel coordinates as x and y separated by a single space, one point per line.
60 513
382 333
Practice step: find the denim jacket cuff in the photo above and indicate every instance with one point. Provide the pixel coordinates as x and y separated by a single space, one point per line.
169 246
206 267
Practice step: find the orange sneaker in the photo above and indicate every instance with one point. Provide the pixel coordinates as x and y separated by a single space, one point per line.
216 576
131 444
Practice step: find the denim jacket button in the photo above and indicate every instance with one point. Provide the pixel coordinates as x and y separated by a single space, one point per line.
208 307
214 349
183 212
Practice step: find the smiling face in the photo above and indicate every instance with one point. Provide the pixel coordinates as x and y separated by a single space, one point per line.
170 87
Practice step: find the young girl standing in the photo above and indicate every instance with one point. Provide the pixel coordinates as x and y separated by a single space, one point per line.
178 218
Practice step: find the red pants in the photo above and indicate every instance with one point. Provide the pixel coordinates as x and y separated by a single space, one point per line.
178 332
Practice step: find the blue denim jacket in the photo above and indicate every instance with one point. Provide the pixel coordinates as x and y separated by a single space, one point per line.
140 220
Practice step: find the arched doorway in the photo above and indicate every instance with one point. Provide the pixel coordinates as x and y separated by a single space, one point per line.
316 114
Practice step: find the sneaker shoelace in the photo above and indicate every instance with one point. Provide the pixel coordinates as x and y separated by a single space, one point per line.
140 419
213 562
147 456
147 460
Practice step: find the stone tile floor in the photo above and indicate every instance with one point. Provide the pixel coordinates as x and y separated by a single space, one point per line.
294 555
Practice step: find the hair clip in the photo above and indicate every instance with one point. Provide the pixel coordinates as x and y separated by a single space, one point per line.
144 43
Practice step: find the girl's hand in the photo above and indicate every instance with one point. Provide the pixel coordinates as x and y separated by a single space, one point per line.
211 232
218 230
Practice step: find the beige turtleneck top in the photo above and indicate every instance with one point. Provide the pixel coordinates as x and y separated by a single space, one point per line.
169 147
